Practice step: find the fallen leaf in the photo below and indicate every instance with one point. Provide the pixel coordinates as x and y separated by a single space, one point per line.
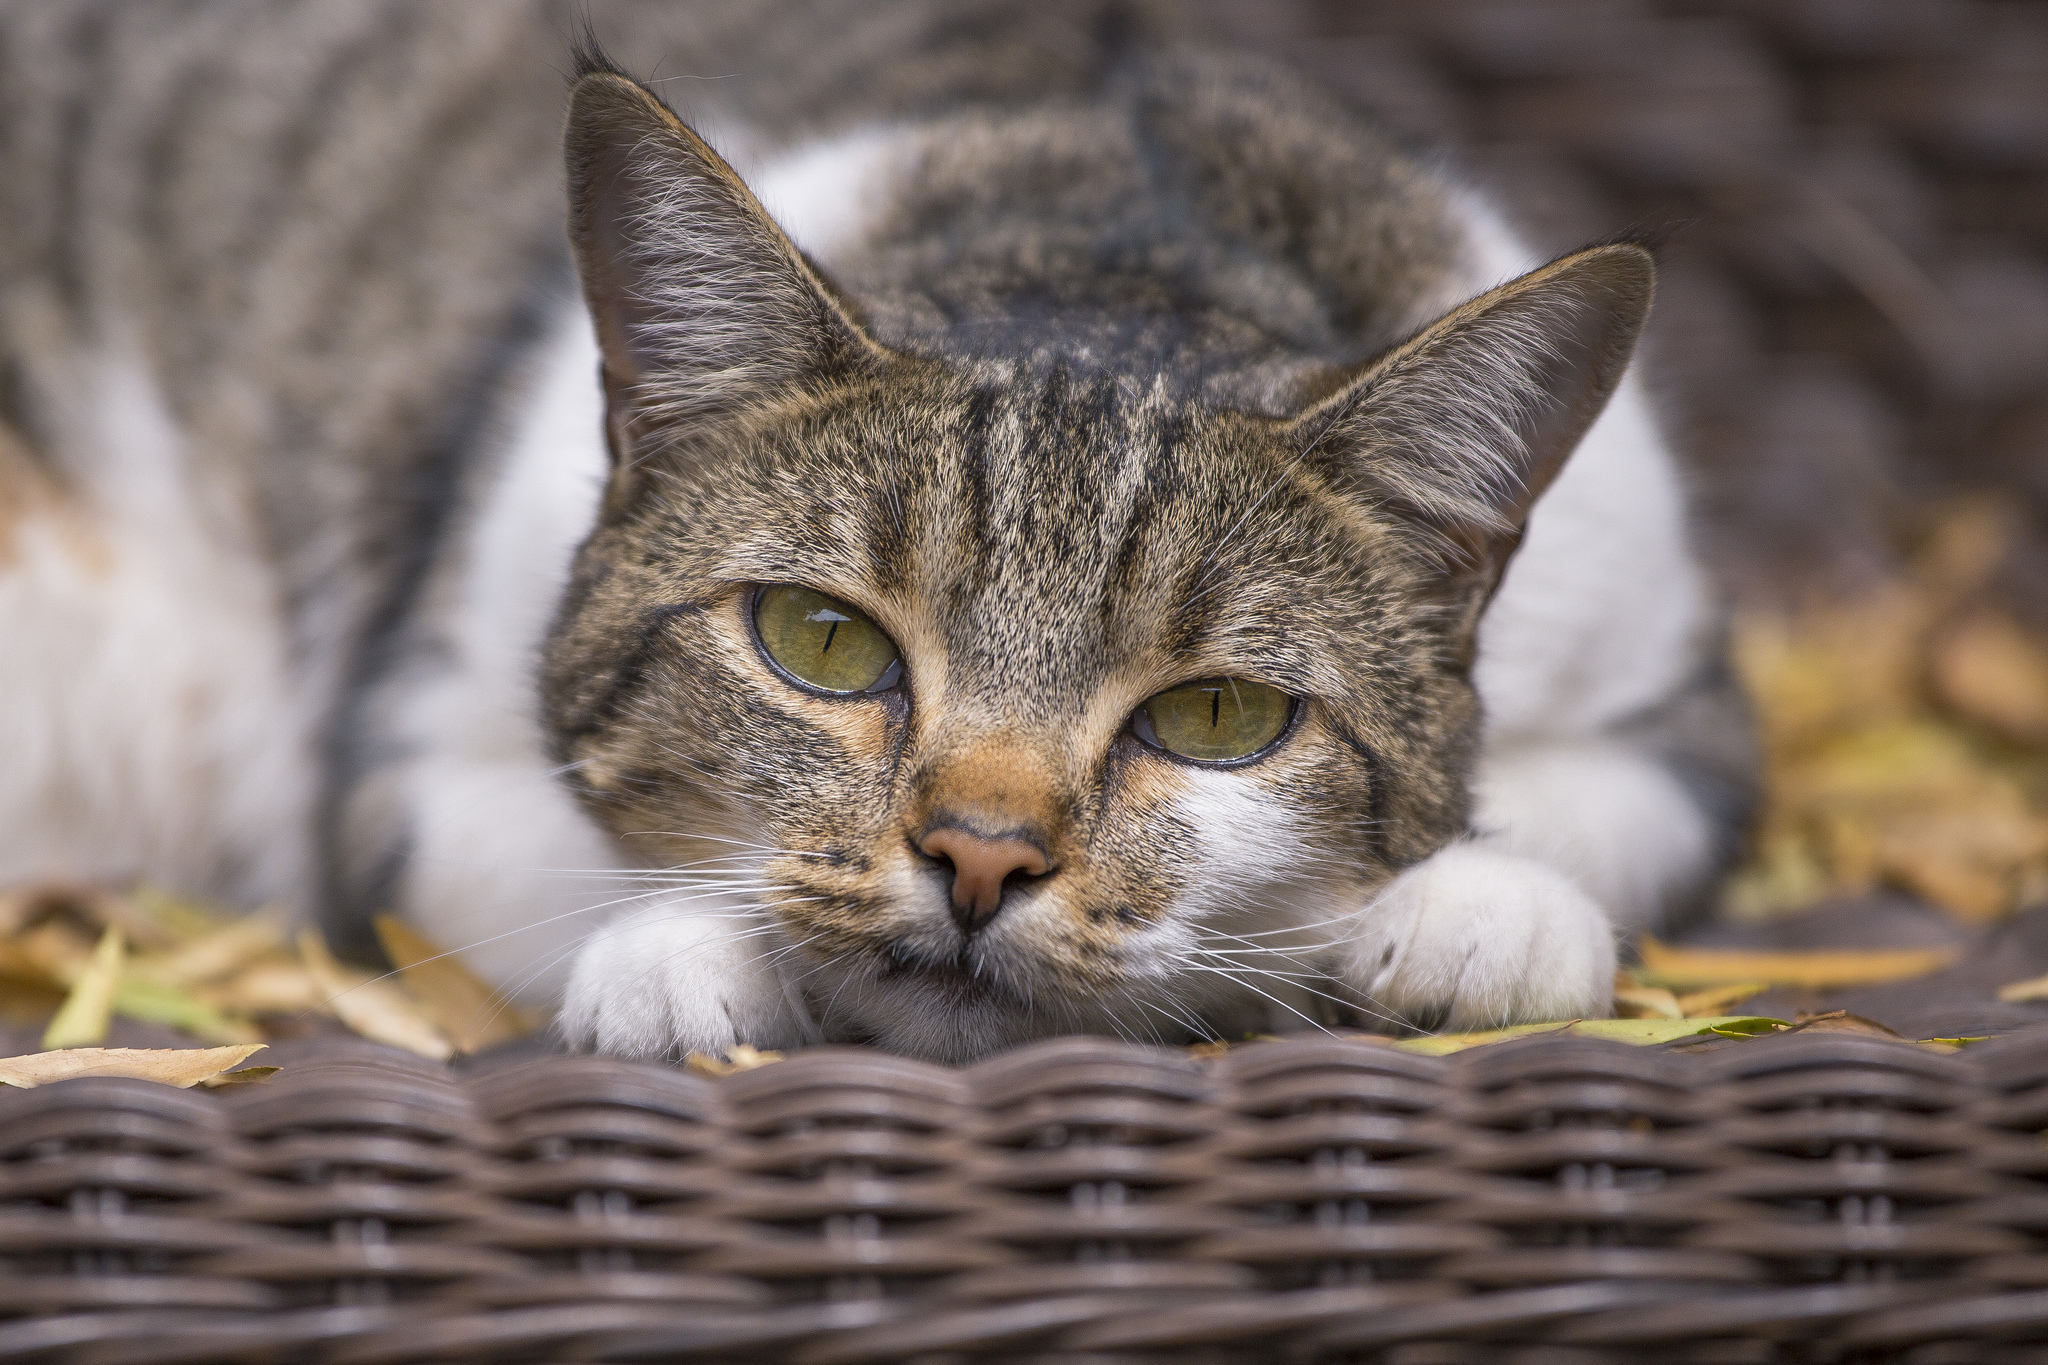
1987 668
1840 1021
1643 1032
246 1075
177 919
154 1002
461 1004
216 952
1646 1002
739 1057
1719 999
177 1066
81 1021
1693 968
2021 992
283 986
374 1008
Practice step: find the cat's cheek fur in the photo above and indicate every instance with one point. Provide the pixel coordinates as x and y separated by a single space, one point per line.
668 981
1474 938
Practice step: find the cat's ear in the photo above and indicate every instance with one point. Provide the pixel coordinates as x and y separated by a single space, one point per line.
702 304
1461 428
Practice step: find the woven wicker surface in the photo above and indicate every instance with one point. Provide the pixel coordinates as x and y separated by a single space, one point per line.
1806 1198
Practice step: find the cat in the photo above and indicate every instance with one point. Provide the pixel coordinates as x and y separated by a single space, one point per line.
1057 528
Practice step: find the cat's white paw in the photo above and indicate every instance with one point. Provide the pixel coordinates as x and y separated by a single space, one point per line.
666 983
1471 938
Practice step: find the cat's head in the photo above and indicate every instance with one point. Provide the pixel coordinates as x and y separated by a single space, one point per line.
1032 697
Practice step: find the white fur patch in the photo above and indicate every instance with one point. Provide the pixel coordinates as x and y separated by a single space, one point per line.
1477 939
150 724
503 862
668 981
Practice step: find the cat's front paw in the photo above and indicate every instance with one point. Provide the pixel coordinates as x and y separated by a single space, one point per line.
1471 938
664 984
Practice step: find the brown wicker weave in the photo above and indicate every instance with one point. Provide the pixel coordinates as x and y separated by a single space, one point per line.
1806 1198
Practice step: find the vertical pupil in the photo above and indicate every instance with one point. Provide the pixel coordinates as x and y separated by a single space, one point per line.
827 614
1215 708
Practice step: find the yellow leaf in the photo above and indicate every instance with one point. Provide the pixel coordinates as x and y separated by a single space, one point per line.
214 953
176 918
154 1002
1988 669
179 1066
1646 1002
461 1004
241 1075
279 987
83 1017
1642 1032
374 1008
1719 999
739 1057
1693 968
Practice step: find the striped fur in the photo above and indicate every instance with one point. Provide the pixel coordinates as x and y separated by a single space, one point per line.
1119 363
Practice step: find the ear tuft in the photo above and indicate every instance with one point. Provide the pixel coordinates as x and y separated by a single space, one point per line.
1464 426
702 305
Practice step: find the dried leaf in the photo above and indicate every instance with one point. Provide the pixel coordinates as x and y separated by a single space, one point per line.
217 952
82 1019
1646 1002
374 1008
154 1002
1841 1021
461 1004
1987 668
283 986
246 1075
739 1057
1643 1032
177 1066
177 919
1719 999
1693 968
2023 992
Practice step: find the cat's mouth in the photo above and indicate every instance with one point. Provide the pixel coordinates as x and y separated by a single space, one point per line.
960 979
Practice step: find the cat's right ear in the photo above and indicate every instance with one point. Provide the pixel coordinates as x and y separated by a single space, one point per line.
702 304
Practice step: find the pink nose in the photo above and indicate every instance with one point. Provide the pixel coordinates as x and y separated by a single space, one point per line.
980 867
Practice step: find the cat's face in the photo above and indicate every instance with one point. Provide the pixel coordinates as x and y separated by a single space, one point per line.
1044 557
1132 701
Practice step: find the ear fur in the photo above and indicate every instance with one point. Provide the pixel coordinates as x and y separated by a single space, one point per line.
1461 428
702 305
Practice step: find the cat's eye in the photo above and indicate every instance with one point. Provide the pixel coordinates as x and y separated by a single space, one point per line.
823 643
1216 720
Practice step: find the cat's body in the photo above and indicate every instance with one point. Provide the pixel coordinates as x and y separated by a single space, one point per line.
1078 432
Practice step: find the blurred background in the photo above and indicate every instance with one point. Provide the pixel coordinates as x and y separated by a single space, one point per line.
1852 320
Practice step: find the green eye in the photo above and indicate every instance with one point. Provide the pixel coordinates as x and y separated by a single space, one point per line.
821 641
1215 720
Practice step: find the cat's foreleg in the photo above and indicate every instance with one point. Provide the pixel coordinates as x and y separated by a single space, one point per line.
1573 842
1476 937
668 981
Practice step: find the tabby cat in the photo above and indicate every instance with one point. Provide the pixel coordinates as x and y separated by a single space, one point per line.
1050 527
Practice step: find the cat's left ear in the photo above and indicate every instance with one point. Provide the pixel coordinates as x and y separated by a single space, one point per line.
1462 428
702 304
